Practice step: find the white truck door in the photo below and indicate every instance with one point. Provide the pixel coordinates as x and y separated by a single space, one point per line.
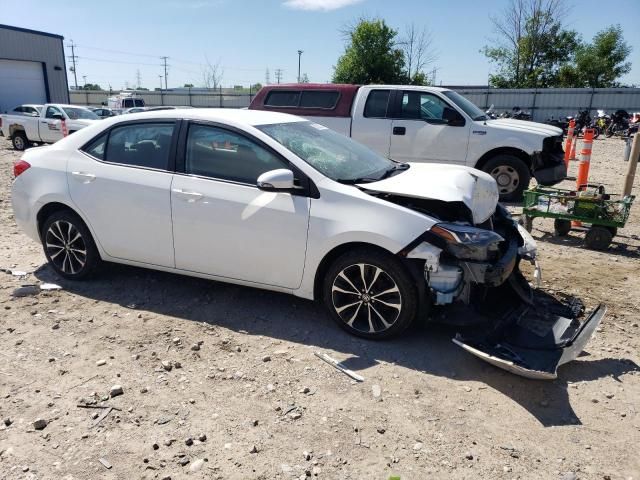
50 128
371 125
422 130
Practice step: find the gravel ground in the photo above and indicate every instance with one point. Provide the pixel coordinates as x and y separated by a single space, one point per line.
220 381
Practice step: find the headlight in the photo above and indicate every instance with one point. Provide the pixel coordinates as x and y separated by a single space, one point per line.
467 243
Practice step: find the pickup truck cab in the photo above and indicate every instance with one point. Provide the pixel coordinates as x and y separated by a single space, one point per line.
45 126
428 124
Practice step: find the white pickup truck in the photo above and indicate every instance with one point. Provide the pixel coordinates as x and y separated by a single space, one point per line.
44 125
427 124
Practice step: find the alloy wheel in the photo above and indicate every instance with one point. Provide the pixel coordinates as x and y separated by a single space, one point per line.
18 142
366 298
507 179
65 247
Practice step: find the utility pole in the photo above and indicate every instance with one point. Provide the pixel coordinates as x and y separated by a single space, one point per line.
267 77
138 78
73 59
160 76
278 74
166 87
300 52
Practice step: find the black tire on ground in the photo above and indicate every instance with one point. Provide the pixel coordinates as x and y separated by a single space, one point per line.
69 246
20 141
613 230
561 228
511 174
598 238
370 294
527 222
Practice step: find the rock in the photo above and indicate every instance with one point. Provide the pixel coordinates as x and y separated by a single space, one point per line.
296 415
197 465
7 421
376 391
195 347
506 469
380 430
144 390
254 449
39 424
155 446
52 359
176 341
192 401
167 365
417 446
609 395
238 349
100 363
26 290
254 423
305 390
270 387
188 442
183 461
266 358
177 364
115 391
202 437
469 456
25 469
316 471
169 441
306 455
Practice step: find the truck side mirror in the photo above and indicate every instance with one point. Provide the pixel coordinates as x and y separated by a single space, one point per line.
57 116
452 117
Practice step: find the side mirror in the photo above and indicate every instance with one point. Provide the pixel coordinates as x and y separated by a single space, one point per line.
276 180
452 117
57 116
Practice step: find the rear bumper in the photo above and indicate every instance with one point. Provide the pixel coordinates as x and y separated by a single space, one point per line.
549 168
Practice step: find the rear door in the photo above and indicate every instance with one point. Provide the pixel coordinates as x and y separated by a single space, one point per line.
420 132
121 183
372 125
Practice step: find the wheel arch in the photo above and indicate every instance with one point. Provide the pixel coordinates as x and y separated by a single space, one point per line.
16 127
521 154
52 207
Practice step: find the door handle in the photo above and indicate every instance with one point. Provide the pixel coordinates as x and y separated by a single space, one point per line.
189 196
84 176
399 130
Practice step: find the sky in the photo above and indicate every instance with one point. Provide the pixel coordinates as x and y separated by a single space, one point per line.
117 38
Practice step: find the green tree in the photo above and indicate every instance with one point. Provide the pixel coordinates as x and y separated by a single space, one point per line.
91 86
188 85
371 55
599 64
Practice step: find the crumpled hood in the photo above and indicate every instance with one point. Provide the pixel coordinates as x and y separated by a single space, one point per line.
525 126
448 183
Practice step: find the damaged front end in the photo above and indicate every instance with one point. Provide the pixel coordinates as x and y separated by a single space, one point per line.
475 270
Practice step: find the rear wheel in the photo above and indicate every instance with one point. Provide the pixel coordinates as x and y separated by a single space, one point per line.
68 245
20 141
511 174
370 294
561 228
598 238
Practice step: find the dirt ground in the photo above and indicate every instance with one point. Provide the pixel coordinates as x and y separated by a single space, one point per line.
245 387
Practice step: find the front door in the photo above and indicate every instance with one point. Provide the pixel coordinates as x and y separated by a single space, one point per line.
51 128
420 132
121 183
223 225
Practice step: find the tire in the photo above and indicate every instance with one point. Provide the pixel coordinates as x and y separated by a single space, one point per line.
20 141
609 131
511 174
598 238
370 294
76 259
561 228
613 230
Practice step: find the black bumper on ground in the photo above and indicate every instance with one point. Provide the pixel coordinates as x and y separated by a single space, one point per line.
549 168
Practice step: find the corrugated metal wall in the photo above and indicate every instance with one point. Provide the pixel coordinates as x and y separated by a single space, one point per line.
17 44
154 99
554 102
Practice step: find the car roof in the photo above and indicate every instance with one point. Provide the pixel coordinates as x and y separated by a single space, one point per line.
247 117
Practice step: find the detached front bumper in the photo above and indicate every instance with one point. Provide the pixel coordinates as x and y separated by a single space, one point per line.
549 168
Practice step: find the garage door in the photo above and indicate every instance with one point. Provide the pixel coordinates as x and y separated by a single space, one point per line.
21 82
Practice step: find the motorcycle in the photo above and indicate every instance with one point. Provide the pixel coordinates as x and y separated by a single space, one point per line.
583 122
519 114
619 124
603 120
491 113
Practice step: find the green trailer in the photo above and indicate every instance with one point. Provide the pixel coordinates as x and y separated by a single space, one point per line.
601 214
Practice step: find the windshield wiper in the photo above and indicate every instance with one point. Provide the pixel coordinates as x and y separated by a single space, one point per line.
353 181
395 168
387 173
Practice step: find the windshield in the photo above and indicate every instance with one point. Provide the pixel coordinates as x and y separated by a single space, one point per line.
80 113
466 105
332 154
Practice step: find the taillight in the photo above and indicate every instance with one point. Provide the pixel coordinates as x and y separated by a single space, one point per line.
20 167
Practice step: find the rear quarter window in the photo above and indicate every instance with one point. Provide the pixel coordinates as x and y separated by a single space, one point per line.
281 98
311 99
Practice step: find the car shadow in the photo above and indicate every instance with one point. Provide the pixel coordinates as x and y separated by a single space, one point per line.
427 349
617 247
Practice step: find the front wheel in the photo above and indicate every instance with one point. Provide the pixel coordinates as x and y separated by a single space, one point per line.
68 245
370 294
511 174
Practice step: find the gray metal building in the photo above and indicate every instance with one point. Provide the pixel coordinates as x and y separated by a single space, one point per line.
32 68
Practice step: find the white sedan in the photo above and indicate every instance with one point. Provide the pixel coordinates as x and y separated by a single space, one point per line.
273 201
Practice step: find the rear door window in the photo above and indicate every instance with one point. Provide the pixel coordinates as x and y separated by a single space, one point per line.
144 145
377 103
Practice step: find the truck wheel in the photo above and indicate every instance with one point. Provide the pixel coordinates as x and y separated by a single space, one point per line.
598 238
511 175
561 227
20 141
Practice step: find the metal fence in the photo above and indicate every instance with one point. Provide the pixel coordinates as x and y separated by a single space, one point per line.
554 102
542 103
198 98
